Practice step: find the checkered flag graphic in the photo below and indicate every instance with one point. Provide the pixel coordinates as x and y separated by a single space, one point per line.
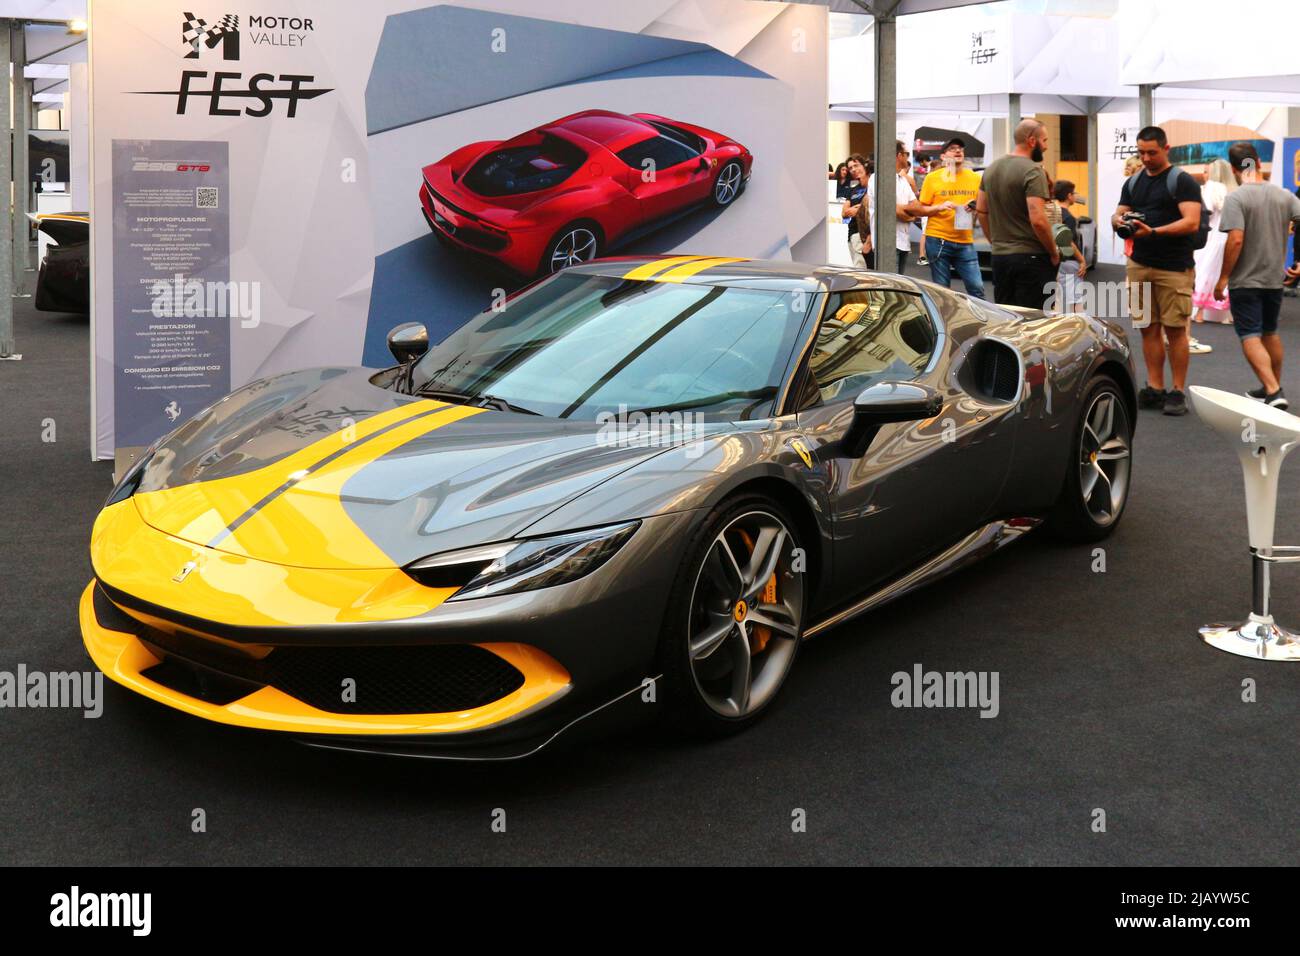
195 30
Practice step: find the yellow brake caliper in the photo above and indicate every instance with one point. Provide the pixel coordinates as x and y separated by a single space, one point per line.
759 634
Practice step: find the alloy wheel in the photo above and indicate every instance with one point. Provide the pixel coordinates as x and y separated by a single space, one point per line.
746 613
1105 458
728 184
574 247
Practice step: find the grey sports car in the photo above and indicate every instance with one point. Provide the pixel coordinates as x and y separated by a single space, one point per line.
637 480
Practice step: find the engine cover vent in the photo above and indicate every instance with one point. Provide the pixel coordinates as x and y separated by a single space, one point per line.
996 370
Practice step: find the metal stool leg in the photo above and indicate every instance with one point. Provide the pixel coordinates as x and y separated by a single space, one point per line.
1259 636
1262 437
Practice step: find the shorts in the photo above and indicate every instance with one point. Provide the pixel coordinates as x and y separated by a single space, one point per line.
1159 296
1255 311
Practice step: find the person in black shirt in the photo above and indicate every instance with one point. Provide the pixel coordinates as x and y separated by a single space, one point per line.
859 239
1160 272
1292 273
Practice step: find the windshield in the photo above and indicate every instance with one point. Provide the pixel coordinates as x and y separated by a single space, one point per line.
575 346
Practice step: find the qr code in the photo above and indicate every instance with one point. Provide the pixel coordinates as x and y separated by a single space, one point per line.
206 197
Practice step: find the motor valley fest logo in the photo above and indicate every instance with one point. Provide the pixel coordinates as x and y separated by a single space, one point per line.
227 92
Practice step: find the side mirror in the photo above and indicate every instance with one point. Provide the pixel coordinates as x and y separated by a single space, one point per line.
408 342
884 403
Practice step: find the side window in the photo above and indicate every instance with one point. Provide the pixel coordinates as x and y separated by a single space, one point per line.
867 337
662 150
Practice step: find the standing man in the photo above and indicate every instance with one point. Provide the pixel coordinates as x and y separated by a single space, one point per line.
903 197
1161 273
1256 218
856 191
948 197
1012 212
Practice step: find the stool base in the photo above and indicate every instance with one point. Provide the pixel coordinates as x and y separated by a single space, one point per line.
1260 639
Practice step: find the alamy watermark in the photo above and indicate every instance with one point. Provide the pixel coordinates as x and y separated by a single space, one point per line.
77 908
1102 300
950 689
650 429
190 298
75 690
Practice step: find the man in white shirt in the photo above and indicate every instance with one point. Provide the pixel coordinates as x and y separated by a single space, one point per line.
903 196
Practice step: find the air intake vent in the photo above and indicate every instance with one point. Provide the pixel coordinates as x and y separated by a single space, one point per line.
996 370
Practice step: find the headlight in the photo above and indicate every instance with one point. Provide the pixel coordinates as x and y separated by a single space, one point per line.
527 565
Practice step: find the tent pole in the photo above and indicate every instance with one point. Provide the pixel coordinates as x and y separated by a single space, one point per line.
884 215
1013 119
1094 209
1144 104
6 236
22 92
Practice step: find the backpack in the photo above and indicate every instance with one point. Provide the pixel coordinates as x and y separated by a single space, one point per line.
1202 234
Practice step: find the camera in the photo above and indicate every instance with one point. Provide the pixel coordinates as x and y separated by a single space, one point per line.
1124 230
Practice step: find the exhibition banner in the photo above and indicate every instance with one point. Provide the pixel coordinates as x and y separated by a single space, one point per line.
406 160
172 298
1287 175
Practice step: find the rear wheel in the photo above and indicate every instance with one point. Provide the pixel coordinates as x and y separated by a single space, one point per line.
1095 491
735 618
576 243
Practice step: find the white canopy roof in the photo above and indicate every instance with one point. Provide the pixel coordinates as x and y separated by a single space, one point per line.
969 60
1200 44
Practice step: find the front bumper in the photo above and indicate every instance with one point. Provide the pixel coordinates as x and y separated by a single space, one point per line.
575 648
124 657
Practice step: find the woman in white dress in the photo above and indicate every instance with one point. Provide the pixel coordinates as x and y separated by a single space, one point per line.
1218 183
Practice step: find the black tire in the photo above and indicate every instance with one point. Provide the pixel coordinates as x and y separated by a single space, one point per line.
1072 519
731 168
545 267
688 709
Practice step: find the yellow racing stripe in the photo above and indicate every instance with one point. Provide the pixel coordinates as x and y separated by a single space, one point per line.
682 273
651 269
308 526
200 511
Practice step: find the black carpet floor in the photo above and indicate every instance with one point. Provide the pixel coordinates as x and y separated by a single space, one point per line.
1108 701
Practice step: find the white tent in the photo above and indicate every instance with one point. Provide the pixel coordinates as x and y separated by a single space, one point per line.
965 68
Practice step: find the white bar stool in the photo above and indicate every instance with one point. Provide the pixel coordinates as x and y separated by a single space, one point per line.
1263 436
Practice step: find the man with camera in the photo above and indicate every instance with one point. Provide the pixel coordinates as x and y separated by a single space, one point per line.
1160 209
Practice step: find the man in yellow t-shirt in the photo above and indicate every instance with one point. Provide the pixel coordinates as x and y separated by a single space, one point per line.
948 201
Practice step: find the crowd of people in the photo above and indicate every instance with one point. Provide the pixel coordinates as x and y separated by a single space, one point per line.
1211 251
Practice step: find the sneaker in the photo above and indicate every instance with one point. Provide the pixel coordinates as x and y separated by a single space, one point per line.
1175 403
1278 400
1197 347
923 261
1258 394
1152 397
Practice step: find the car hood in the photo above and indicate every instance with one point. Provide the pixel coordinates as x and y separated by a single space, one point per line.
324 469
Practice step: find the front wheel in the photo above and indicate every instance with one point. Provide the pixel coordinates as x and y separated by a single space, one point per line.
735 618
1095 491
728 184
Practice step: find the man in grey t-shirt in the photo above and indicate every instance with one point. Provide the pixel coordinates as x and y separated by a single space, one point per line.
1256 218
